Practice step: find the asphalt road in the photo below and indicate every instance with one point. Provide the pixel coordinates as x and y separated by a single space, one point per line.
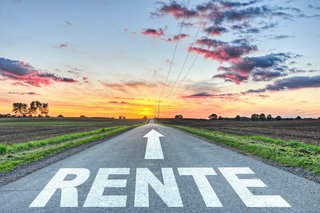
174 172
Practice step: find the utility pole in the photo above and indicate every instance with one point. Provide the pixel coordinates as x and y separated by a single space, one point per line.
158 108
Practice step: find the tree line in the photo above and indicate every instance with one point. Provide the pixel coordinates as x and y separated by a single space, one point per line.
254 117
35 108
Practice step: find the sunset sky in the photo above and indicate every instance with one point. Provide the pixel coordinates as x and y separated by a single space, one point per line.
109 58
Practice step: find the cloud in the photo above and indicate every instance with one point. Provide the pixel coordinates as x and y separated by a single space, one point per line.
126 86
233 77
176 10
118 102
153 32
260 68
203 95
62 45
314 7
24 72
265 75
290 83
210 42
200 94
282 36
23 93
85 80
177 37
223 51
215 30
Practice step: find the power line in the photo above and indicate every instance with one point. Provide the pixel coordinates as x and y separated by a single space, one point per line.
174 54
186 58
190 68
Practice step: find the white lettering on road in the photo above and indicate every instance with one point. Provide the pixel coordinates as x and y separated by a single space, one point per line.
240 186
168 191
153 149
69 192
199 175
96 198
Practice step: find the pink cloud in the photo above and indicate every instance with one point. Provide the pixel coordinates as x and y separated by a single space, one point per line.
26 74
153 32
177 37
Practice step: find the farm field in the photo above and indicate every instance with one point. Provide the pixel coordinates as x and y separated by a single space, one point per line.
307 131
26 140
18 130
288 143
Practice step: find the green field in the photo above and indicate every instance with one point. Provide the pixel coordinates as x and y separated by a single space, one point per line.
56 135
284 152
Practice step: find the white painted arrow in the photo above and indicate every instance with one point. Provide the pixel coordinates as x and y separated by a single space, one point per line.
153 149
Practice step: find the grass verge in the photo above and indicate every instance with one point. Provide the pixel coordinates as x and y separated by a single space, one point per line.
14 155
287 153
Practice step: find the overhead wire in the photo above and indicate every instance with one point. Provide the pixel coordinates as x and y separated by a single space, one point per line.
186 58
173 56
190 68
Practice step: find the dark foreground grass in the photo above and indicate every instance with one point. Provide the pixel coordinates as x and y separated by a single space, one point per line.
287 153
14 155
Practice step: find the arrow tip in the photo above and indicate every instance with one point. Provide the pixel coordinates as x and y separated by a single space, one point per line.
153 133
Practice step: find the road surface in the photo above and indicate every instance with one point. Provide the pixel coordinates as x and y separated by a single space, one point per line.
155 168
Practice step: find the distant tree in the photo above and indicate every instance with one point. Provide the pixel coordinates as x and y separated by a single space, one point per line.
278 118
44 109
298 118
237 118
220 118
82 116
60 116
178 117
34 107
262 117
269 117
213 117
20 109
145 117
15 108
254 117
319 118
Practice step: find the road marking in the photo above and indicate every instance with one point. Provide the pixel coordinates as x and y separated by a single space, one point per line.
199 175
153 149
240 186
69 192
168 191
96 198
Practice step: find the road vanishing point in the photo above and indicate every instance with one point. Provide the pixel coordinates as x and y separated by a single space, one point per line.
155 168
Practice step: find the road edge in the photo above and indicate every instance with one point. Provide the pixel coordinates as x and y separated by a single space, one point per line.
23 170
299 171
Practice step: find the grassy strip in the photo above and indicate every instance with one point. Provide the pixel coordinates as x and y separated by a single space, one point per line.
13 148
11 161
288 153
